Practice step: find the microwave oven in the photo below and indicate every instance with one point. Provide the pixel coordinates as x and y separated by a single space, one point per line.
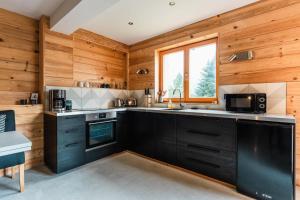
246 103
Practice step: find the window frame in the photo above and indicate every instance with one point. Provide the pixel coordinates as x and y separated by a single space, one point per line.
185 49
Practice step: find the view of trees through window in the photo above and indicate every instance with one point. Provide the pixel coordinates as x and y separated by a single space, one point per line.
201 70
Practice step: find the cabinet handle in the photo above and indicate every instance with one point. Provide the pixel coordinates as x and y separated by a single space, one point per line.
203 133
204 162
72 144
75 117
202 148
70 130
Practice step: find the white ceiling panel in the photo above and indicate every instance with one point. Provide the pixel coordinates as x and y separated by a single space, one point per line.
154 17
31 8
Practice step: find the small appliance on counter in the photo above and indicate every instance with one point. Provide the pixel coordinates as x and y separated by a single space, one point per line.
68 105
246 103
131 102
57 100
147 98
118 103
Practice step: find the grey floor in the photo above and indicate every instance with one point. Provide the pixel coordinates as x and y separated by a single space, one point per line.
121 177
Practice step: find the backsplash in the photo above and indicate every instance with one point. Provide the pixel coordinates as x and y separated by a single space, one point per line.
88 98
85 98
276 96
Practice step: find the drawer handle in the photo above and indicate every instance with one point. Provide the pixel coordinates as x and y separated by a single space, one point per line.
203 133
76 117
70 130
204 162
72 144
202 148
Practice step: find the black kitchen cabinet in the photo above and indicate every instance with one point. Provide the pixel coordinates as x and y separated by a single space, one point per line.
122 128
64 141
208 146
141 135
165 137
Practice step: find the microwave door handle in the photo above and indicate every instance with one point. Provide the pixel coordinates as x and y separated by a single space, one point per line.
102 122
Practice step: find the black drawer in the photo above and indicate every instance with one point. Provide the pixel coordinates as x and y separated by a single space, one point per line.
215 163
72 129
70 121
71 132
70 159
71 143
212 132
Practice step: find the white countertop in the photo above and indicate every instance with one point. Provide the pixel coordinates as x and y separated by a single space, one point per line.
13 142
194 112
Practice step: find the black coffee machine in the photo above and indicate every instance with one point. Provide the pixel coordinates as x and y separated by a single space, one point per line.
57 100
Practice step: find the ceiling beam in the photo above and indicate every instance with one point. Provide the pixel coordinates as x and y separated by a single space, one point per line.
72 14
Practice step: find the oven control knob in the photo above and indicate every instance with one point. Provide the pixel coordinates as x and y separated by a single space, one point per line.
262 99
262 106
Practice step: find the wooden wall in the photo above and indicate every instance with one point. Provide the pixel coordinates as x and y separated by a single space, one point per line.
19 76
82 56
271 28
18 57
93 60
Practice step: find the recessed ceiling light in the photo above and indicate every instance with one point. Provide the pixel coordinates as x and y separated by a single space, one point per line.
130 23
172 3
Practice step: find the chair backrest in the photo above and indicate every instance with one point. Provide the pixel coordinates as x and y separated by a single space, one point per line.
10 123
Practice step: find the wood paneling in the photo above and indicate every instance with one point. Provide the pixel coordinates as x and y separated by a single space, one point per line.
19 77
18 57
293 108
82 56
29 121
270 28
56 60
100 40
98 63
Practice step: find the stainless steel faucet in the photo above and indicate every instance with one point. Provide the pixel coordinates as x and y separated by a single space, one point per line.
180 102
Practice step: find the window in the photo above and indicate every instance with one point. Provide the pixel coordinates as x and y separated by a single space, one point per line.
192 69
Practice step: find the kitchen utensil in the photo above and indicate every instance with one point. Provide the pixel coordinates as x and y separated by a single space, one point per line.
131 102
148 100
118 103
80 84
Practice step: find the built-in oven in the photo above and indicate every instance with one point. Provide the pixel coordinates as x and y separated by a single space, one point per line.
101 129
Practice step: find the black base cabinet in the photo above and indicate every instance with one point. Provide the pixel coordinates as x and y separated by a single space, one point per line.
122 128
141 134
153 135
201 144
207 145
165 137
64 140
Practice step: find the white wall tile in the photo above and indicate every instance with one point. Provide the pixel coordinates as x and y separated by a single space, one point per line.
276 105
103 97
276 90
257 88
244 88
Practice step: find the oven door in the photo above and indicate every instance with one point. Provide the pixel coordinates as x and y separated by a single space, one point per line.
244 103
100 133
